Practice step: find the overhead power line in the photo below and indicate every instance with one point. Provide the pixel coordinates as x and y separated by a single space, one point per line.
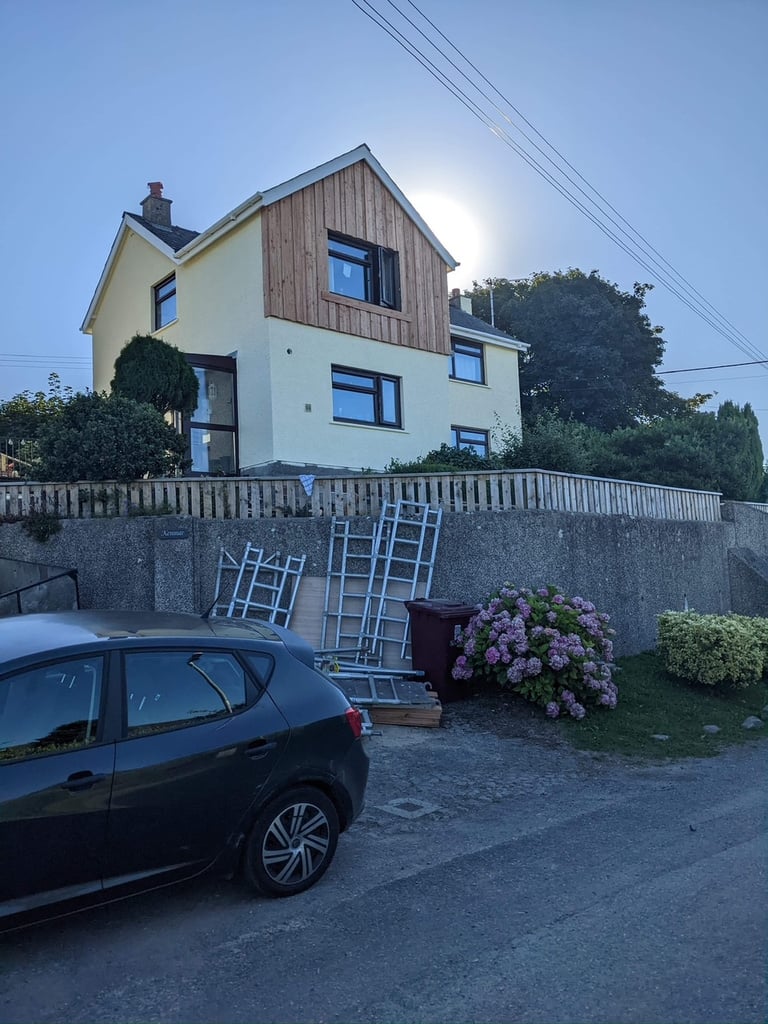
719 366
626 238
41 362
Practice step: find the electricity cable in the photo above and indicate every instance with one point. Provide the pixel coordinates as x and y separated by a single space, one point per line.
646 243
659 273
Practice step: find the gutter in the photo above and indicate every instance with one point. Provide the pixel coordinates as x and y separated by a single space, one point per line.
489 339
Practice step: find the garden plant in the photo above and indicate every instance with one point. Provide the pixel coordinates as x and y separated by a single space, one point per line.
551 649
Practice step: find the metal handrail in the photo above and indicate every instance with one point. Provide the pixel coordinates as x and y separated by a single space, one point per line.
71 573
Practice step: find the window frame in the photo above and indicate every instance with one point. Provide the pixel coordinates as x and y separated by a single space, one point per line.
158 302
376 391
101 708
473 349
456 431
382 271
225 364
253 690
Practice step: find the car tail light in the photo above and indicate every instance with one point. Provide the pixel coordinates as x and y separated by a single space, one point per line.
355 720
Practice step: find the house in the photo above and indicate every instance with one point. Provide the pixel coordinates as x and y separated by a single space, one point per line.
316 315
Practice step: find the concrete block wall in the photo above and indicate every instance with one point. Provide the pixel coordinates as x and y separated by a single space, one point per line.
629 567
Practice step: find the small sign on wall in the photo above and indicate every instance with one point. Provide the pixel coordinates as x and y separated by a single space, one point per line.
179 533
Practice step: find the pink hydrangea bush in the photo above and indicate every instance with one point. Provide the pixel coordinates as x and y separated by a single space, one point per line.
551 649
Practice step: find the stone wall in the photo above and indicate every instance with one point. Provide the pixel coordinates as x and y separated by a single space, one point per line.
632 568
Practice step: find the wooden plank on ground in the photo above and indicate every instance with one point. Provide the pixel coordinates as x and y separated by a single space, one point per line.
415 715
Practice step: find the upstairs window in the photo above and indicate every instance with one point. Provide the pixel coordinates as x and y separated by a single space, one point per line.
468 437
467 362
362 397
165 302
362 271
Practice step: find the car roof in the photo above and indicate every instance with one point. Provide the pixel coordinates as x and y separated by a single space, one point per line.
39 633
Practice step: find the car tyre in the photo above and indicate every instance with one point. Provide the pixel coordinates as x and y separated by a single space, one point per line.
292 843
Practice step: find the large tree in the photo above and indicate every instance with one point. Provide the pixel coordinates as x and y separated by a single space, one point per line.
593 351
705 451
108 437
150 370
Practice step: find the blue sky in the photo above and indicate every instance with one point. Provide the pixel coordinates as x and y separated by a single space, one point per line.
661 106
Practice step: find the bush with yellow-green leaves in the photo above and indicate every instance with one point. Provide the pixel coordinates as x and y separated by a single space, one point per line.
714 649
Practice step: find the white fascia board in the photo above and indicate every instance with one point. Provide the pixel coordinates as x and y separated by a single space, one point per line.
489 339
122 231
149 236
221 227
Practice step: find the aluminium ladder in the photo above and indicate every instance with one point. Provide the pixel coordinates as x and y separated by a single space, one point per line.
403 563
265 588
371 575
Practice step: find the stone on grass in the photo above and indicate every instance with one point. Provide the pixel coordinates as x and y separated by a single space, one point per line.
753 722
659 736
765 710
711 729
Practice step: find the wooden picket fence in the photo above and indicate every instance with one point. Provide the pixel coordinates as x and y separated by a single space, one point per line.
364 495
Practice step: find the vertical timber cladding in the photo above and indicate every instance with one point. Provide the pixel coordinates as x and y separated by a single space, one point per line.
353 202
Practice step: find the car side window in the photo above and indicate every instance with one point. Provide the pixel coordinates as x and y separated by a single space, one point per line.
261 665
51 708
169 689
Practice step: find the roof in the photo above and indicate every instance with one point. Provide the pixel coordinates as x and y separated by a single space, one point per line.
179 244
466 324
173 236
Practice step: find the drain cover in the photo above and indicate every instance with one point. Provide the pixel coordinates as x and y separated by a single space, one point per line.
409 807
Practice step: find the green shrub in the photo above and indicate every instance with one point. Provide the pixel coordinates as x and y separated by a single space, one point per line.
759 628
711 649
41 524
444 459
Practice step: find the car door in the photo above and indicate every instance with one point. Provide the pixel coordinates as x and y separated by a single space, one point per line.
55 781
201 740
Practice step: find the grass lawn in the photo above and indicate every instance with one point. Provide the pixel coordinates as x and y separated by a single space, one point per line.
651 701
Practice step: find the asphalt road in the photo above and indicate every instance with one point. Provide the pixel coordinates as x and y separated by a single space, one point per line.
495 876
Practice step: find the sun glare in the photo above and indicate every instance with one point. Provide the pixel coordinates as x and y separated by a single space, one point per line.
456 230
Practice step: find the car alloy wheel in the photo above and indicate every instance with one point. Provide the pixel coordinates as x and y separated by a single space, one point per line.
292 843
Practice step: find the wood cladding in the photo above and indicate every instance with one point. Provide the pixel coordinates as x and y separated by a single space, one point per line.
352 202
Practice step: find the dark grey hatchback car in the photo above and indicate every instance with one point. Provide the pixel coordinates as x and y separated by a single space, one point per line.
138 749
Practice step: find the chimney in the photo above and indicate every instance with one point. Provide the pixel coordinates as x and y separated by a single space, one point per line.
154 208
459 301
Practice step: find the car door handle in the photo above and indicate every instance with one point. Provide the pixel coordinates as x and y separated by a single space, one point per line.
82 780
258 748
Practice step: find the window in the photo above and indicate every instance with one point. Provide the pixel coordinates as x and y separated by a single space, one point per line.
50 709
467 437
361 271
467 361
362 397
167 689
212 427
165 302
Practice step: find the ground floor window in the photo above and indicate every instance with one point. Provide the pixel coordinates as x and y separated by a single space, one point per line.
212 427
468 437
363 397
